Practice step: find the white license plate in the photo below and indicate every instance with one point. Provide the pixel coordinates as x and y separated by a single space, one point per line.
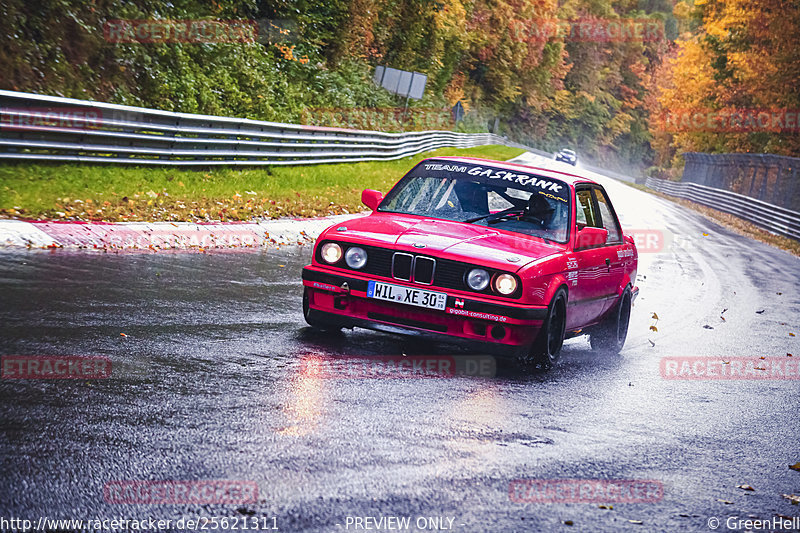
406 295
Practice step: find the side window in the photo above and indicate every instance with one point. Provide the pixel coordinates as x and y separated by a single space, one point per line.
585 214
607 216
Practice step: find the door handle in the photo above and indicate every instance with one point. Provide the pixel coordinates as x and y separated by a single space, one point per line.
608 264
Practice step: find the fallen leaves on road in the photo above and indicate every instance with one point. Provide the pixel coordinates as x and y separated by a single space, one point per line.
726 502
745 487
760 311
122 335
707 327
638 522
795 466
793 498
568 522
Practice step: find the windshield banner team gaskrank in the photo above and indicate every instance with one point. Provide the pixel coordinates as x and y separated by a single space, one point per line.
555 188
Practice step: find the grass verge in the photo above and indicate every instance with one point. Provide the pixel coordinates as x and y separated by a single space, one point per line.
114 193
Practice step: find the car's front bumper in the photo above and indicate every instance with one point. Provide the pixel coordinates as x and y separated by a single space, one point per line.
341 299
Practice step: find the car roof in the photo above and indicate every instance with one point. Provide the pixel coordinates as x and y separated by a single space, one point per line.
569 178
567 151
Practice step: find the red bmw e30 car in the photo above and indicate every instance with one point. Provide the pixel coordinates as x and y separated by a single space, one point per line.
508 258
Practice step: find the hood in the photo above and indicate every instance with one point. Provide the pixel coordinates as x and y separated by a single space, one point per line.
468 243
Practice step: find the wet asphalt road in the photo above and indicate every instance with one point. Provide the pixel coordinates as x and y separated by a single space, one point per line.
215 380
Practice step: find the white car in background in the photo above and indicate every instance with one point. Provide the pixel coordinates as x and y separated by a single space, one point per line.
566 156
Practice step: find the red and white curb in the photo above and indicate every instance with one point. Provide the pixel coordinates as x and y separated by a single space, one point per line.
163 235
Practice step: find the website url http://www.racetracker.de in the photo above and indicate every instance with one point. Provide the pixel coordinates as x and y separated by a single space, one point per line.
198 523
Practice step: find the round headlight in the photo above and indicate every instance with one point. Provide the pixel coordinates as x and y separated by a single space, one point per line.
355 257
331 252
505 284
477 279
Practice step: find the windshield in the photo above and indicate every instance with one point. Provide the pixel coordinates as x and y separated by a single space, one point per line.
484 195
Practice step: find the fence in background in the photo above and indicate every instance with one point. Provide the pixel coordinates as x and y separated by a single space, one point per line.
766 177
46 128
777 219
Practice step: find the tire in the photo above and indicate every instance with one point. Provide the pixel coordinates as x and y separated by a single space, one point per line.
546 349
312 320
610 335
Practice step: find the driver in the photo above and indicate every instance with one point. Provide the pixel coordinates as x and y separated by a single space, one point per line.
539 210
472 197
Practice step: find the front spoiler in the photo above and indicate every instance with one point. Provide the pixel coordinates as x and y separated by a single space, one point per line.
489 348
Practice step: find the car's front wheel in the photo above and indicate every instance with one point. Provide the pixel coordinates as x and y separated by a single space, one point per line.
546 349
610 335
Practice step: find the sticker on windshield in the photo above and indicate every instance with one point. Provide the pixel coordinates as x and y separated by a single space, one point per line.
498 176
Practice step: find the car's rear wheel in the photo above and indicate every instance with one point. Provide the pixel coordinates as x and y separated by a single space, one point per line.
610 335
546 349
311 319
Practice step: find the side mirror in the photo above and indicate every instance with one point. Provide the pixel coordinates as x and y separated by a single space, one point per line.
371 199
590 237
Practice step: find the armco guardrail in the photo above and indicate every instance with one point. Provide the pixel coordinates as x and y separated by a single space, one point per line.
769 216
48 128
767 177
